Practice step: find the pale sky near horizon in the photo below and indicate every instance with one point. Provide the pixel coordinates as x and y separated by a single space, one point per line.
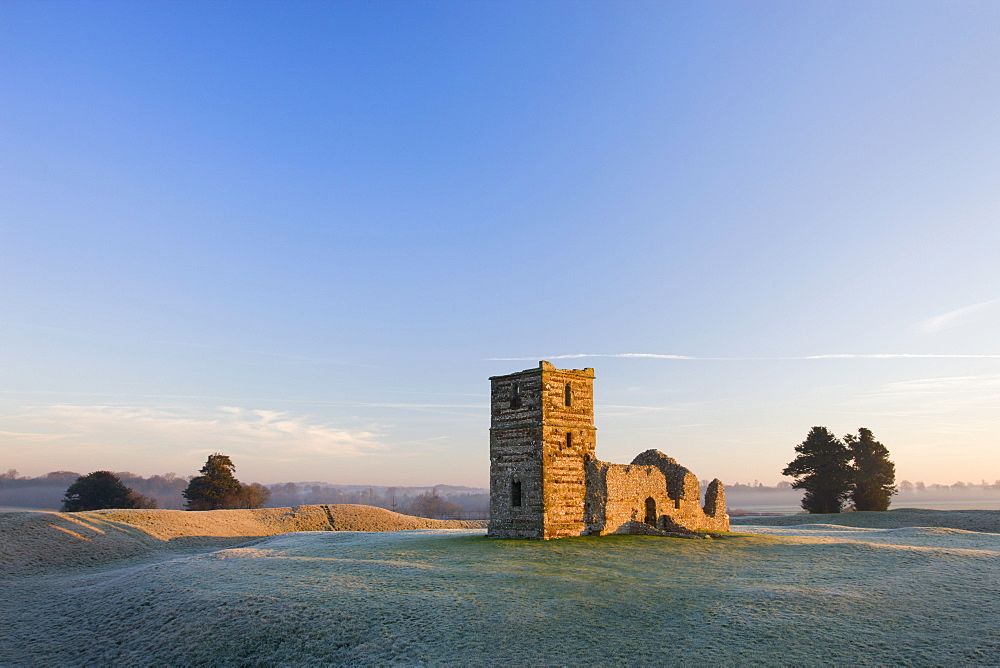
305 234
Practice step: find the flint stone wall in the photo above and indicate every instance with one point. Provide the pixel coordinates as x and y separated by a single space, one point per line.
620 494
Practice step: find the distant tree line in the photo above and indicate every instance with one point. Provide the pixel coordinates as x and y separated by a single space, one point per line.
49 491
437 502
46 491
832 471
957 488
755 486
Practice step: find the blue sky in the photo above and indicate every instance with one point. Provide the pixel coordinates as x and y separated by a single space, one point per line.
304 234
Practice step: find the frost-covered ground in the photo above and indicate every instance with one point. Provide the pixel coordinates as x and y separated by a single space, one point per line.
969 520
812 593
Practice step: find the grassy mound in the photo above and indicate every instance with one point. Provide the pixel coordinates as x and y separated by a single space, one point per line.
31 541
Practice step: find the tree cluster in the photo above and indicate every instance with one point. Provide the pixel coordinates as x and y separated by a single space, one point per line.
100 490
217 488
833 471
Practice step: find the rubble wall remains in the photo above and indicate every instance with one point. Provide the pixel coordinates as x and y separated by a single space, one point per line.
620 494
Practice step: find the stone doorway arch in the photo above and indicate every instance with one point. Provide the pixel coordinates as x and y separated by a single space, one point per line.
650 511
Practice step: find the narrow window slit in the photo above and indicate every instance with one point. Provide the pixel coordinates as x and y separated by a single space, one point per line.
515 493
515 396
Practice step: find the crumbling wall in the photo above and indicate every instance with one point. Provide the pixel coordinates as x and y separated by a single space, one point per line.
620 494
682 485
715 499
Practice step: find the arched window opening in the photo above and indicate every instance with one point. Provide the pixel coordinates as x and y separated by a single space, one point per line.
515 396
515 493
568 395
569 440
650 511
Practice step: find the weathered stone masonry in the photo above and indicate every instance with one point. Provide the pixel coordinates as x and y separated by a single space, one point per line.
545 481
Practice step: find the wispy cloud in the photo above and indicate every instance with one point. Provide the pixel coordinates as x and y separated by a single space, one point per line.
889 356
577 355
929 399
956 318
30 437
830 356
950 385
222 427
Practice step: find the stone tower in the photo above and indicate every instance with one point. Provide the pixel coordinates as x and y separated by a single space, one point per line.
542 435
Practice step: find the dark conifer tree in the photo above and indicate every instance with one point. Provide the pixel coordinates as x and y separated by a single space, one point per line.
874 474
216 487
103 489
823 469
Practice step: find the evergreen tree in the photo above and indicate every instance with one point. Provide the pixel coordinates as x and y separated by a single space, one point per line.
874 474
823 469
103 489
216 487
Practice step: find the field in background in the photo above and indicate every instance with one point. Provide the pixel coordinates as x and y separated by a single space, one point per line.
755 507
743 499
814 593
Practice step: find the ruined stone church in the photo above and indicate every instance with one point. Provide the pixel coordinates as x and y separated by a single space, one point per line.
545 481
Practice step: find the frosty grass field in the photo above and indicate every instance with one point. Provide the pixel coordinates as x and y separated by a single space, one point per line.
797 593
